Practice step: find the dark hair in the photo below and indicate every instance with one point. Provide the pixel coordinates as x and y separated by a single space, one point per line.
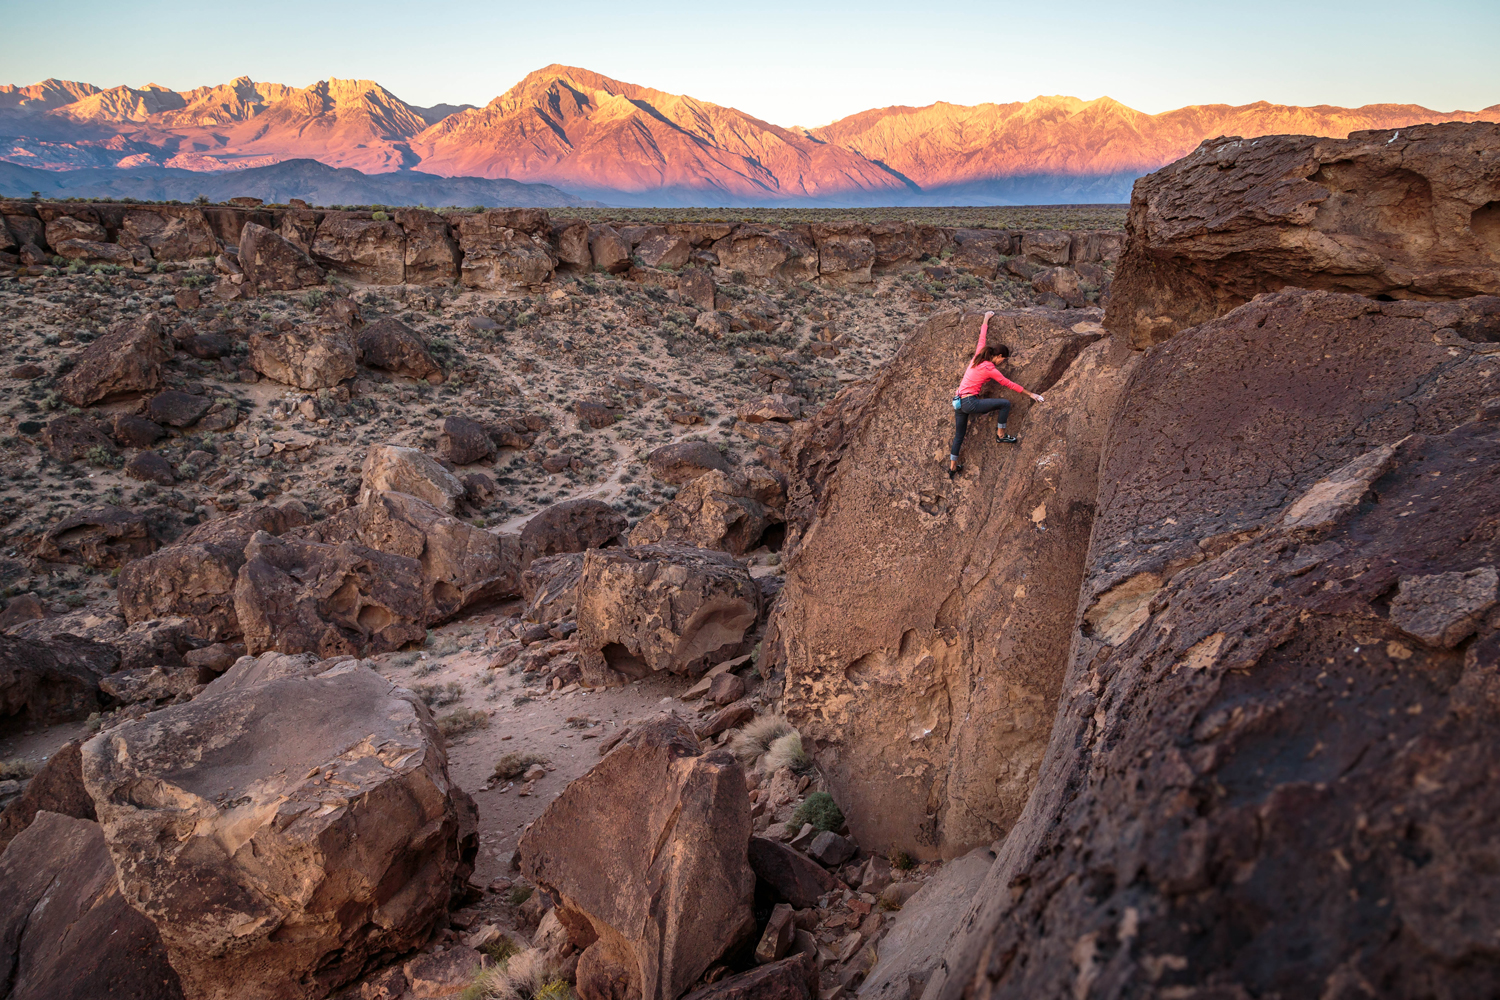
991 352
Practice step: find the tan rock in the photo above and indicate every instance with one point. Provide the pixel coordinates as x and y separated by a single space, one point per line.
126 359
408 470
685 461
846 253
272 263
663 250
315 355
769 254
571 526
730 512
776 407
168 233
432 254
361 248
609 251
505 249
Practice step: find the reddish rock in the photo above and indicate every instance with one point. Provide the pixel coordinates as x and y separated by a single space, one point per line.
168 233
56 788
792 876
609 251
315 355
663 250
846 253
596 415
176 408
685 461
393 346
361 248
432 254
463 441
126 359
52 680
570 243
571 526
73 437
150 467
505 249
272 263
104 536
730 512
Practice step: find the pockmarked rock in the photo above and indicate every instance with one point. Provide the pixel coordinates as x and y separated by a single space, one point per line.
127 359
390 467
272 263
729 511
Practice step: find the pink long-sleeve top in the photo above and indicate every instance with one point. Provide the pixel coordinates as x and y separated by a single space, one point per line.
977 375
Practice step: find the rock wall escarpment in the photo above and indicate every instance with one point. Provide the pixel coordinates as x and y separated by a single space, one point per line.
925 622
1412 213
1271 763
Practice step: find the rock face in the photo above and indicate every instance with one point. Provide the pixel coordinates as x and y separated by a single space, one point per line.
1247 736
395 347
1409 214
646 853
571 526
66 931
297 596
73 436
731 512
661 607
104 537
363 249
928 687
52 680
313 356
431 251
463 441
391 467
168 233
194 577
272 263
685 461
280 835
56 788
126 359
505 249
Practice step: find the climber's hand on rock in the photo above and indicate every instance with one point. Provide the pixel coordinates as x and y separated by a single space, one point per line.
1038 398
989 314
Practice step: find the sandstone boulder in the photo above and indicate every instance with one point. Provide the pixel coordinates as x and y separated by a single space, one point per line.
194 577
1219 639
505 249
393 346
361 248
432 253
66 930
661 607
315 355
390 467
727 511
272 263
1404 214
105 536
293 829
571 526
52 680
463 441
685 461
298 596
646 853
929 710
126 359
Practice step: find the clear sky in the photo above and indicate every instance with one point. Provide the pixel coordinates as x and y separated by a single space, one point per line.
791 63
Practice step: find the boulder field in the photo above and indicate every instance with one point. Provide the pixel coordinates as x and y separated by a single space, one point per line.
1192 693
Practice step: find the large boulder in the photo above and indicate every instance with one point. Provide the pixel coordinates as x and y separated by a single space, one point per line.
297 596
56 788
505 249
570 244
609 250
54 679
361 248
928 687
273 263
727 511
194 577
769 254
463 441
845 252
105 536
315 355
684 461
168 233
1247 738
460 564
391 345
394 468
661 607
432 254
571 526
282 834
74 436
1407 214
550 587
66 930
646 853
126 359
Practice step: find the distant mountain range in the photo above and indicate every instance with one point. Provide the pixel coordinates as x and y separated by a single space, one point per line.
619 143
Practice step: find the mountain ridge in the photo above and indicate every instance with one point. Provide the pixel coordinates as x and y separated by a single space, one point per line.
624 143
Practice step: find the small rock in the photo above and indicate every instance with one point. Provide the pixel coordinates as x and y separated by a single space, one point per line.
778 936
726 689
726 718
534 772
176 408
150 467
1444 609
803 838
133 431
896 894
442 974
829 849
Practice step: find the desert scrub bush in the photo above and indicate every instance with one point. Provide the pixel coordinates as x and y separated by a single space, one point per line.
750 742
787 751
313 299
16 769
461 721
436 695
518 894
901 861
103 457
380 216
502 950
526 976
515 763
820 810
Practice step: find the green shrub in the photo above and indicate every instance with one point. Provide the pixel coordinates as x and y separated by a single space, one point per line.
380 216
787 751
901 861
820 810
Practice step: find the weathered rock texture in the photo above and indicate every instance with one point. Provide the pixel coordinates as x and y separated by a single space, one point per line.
1408 214
52 680
647 853
726 511
126 359
316 355
56 788
66 931
925 622
272 263
280 835
407 470
661 607
1258 783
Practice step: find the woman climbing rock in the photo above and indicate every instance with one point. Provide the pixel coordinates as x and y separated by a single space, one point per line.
967 403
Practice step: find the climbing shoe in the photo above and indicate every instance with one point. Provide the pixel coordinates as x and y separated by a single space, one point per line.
955 470
1009 439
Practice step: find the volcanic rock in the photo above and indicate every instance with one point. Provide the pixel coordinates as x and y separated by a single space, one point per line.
104 536
131 431
126 359
661 607
73 436
663 250
845 252
56 788
272 263
1409 214
726 511
295 829
150 467
176 408
685 461
407 470
168 233
610 252
769 254
648 848
570 243
463 441
571 526
505 249
432 253
52 680
774 407
316 355
362 249
791 875
393 346
550 586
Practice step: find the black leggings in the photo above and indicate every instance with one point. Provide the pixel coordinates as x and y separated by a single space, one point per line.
973 405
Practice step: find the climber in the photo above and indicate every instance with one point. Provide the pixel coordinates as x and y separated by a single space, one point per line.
967 402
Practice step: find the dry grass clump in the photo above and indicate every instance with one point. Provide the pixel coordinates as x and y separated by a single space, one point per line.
461 721
16 769
755 739
436 695
515 763
526 976
786 751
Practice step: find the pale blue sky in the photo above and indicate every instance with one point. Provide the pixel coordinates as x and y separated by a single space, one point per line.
799 63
